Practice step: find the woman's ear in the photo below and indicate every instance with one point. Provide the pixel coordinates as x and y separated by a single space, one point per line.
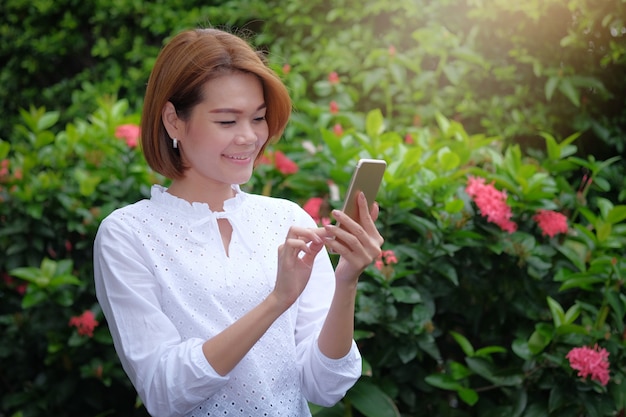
171 121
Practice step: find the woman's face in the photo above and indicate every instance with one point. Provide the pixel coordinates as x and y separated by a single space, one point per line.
222 138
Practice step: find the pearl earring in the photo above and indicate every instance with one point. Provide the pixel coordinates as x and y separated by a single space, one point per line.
175 143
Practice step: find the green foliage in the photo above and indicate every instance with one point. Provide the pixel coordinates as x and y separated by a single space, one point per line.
464 319
510 71
56 189
63 54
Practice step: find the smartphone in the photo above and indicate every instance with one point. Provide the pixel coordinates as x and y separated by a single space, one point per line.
367 177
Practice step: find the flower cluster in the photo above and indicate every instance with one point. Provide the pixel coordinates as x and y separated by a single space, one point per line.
386 257
491 203
17 285
592 362
85 323
550 222
283 164
313 206
333 78
130 133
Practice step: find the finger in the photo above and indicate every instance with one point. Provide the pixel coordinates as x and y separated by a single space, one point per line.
313 249
305 234
375 211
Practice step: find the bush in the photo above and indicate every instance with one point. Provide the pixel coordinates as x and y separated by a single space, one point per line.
479 297
66 53
55 189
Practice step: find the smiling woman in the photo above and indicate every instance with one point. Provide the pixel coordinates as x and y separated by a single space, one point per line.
222 302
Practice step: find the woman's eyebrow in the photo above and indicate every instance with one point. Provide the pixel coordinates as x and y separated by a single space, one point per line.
236 111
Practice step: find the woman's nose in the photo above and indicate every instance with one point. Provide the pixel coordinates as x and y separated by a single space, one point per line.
246 134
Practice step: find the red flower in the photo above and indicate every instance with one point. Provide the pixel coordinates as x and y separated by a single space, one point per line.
19 286
408 139
284 164
588 361
4 167
386 257
130 133
491 203
333 78
85 323
550 222
334 107
338 130
392 50
313 206
286 69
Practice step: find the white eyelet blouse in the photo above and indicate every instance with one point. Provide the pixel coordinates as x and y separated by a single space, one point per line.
166 285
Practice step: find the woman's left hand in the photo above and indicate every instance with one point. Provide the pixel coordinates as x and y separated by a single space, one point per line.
358 243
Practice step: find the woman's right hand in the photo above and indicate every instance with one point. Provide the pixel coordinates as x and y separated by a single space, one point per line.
295 262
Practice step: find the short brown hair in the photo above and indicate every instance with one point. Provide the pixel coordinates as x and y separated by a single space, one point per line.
182 68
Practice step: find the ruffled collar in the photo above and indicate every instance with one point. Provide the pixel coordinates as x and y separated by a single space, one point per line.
159 195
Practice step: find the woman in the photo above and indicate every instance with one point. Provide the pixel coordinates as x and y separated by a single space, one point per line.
221 302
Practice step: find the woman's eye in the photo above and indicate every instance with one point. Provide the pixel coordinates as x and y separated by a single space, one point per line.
259 119
226 122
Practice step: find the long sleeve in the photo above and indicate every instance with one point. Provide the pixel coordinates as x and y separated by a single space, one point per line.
172 376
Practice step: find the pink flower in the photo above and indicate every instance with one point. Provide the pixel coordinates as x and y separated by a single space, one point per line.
334 107
333 78
392 50
550 222
338 130
386 257
313 207
491 203
285 165
4 167
408 139
588 361
130 133
85 323
286 69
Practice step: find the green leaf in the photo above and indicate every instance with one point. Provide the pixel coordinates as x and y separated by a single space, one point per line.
572 314
486 369
570 91
573 255
448 159
465 344
448 271
616 214
47 120
406 294
374 123
551 85
540 338
371 401
64 280
32 275
558 314
468 395
5 147
454 206
443 381
488 350
33 297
